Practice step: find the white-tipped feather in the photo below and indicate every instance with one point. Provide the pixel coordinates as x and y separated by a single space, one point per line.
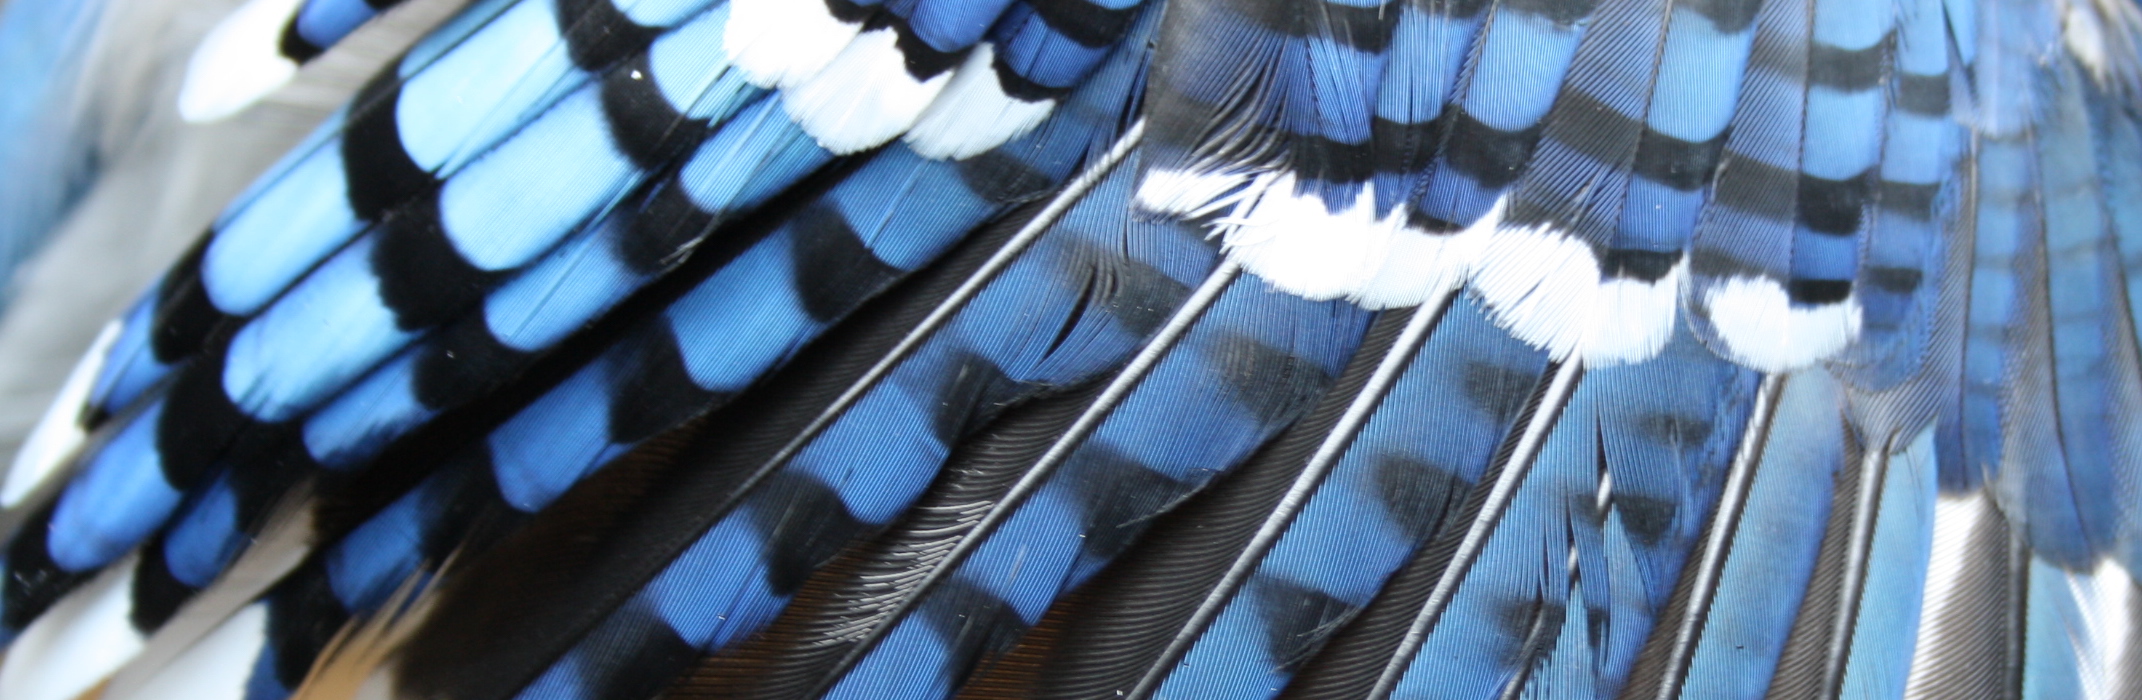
59 432
214 668
864 98
1537 282
1632 320
1545 286
1541 284
1760 328
1189 193
2104 594
78 643
1419 266
239 62
973 114
781 43
1302 246
279 549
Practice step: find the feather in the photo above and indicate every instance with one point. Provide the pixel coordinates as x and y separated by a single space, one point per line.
1129 613
808 348
67 653
259 382
239 61
1969 644
527 480
1359 482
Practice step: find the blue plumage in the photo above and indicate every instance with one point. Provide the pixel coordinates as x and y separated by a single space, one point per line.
1519 62
1773 547
1880 663
1092 348
1478 379
282 364
1116 479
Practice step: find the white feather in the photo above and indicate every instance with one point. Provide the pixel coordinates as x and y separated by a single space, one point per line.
780 43
216 667
1761 329
1543 285
973 114
240 61
59 432
78 643
864 98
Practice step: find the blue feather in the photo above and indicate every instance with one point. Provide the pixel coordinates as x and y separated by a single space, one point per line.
1692 101
205 537
1430 42
1598 534
948 26
1470 375
719 344
1887 621
2051 668
322 23
1118 478
1517 69
120 497
1774 545
507 57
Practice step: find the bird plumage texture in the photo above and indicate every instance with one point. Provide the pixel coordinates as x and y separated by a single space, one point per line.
619 349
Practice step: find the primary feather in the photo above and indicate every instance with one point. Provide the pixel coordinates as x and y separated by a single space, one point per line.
615 349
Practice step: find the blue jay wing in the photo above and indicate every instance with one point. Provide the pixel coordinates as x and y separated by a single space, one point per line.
1184 349
387 286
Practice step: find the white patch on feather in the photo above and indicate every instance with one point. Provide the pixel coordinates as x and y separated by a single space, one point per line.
283 544
1545 287
1300 245
239 62
1189 193
864 98
2084 35
59 433
217 666
1419 266
1762 330
78 643
1957 520
1632 320
781 43
2103 595
973 114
